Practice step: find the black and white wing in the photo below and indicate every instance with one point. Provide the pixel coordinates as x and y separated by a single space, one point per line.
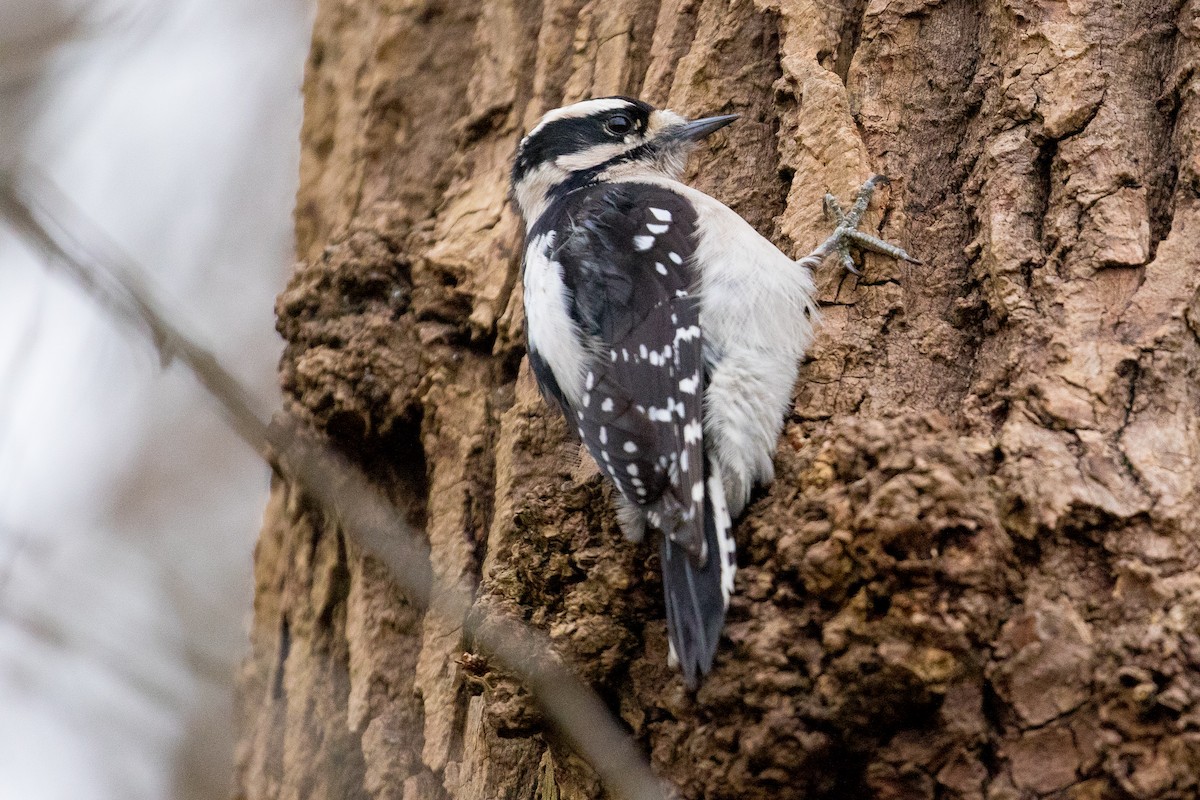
625 257
623 254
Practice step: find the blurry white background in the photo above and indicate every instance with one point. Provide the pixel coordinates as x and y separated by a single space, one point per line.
128 512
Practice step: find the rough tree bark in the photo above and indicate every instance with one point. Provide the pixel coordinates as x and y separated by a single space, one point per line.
975 576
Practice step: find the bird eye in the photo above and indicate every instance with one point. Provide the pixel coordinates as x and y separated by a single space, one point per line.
619 124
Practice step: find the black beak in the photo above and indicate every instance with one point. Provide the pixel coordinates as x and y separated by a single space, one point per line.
695 131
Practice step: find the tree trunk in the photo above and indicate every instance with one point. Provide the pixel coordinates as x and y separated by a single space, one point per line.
975 575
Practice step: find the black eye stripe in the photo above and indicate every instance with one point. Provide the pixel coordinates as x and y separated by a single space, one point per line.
574 134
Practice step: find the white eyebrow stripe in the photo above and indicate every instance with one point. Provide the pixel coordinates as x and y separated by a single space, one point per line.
584 109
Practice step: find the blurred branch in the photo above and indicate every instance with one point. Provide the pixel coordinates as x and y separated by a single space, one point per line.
22 57
20 541
23 53
40 213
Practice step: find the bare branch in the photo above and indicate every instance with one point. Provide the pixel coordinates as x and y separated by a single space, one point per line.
38 212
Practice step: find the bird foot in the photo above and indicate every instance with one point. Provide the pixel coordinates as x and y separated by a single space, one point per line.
847 233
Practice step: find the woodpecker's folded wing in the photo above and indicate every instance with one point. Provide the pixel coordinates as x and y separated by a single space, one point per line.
625 257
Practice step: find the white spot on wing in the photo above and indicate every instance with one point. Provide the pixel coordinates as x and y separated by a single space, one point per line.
607 405
659 414
658 265
661 214
686 334
643 242
675 257
630 447
657 228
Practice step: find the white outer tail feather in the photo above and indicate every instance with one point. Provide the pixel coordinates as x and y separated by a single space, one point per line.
724 525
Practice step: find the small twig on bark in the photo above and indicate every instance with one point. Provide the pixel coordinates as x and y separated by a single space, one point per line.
37 211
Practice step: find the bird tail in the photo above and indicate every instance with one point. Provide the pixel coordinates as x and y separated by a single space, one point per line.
697 594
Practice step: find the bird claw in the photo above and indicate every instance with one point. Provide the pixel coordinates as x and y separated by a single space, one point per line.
847 259
847 233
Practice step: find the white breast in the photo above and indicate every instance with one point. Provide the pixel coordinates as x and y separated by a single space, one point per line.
553 335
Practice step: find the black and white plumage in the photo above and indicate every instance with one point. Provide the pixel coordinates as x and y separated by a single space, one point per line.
620 251
667 330
640 413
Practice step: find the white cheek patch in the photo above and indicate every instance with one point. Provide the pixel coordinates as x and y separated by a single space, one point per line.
533 191
593 156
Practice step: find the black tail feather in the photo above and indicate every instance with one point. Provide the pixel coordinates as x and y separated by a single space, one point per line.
695 602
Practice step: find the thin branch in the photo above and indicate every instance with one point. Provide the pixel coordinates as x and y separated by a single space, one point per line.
38 211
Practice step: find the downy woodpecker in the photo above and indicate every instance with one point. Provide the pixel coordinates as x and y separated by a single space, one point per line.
668 331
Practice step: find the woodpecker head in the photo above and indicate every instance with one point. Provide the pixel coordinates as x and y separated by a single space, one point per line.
611 138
